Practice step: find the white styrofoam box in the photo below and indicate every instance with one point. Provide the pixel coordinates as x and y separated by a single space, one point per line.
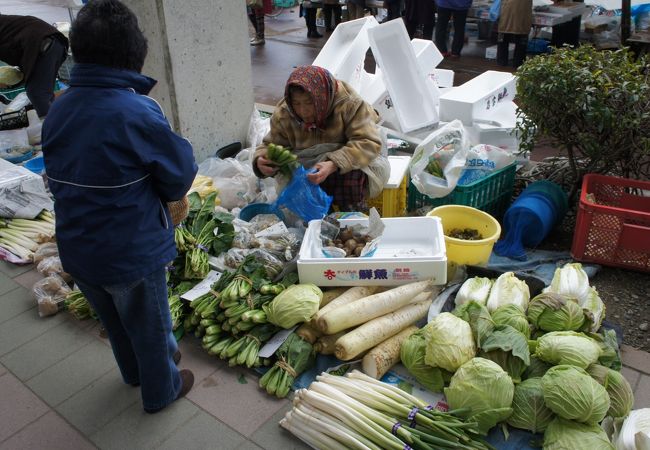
398 167
484 93
344 52
497 129
427 54
491 52
545 19
410 249
409 94
444 78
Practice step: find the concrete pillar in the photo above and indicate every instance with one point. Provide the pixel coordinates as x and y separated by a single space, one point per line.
199 53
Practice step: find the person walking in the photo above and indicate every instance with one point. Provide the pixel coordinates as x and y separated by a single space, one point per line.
515 20
256 10
448 9
308 10
113 162
38 49
331 14
356 9
420 12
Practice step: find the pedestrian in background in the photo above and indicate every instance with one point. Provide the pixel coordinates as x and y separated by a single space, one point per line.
256 10
356 9
113 162
448 9
393 9
515 20
331 14
420 12
38 49
308 10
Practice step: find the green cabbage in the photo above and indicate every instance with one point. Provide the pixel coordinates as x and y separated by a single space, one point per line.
570 280
509 349
485 389
537 368
412 356
296 304
512 315
569 435
449 342
620 392
478 318
610 353
555 312
594 310
506 290
568 347
572 394
528 409
474 289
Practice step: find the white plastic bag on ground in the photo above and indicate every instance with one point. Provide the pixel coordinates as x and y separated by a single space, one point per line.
446 148
258 127
482 160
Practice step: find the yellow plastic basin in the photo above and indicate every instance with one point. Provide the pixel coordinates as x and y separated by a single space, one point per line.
461 251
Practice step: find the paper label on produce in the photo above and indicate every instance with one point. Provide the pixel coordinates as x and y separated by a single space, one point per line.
203 287
275 342
277 229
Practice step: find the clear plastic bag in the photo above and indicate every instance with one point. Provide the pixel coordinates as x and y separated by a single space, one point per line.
44 251
50 294
52 265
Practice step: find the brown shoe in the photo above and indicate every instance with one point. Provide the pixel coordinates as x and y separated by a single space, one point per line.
187 381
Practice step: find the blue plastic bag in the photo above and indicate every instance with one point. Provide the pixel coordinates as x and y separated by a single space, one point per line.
495 11
309 201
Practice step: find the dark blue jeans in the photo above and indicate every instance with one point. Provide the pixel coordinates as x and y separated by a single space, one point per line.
442 33
137 320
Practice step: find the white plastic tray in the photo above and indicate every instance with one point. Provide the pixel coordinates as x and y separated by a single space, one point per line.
411 249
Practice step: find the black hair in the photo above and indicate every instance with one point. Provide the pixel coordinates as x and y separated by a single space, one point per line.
106 32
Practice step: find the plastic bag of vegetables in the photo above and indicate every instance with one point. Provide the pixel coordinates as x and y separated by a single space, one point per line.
528 409
296 304
572 394
484 391
412 356
566 434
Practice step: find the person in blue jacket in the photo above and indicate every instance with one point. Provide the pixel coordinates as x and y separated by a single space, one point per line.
113 163
447 9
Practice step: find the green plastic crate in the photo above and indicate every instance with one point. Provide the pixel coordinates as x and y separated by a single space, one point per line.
491 194
13 92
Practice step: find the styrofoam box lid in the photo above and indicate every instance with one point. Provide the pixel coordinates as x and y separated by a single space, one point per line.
404 239
398 167
404 80
503 117
345 50
480 87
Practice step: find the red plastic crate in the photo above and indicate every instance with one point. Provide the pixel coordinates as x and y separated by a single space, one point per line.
613 223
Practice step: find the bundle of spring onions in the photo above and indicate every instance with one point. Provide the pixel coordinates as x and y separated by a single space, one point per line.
77 305
22 236
358 412
294 356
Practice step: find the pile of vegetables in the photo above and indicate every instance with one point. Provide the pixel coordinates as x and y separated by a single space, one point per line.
77 305
542 364
282 157
359 412
23 236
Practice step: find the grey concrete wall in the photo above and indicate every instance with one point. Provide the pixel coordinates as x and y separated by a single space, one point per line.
199 53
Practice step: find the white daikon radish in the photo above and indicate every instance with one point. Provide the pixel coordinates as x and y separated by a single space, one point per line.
385 355
369 334
368 308
350 295
331 294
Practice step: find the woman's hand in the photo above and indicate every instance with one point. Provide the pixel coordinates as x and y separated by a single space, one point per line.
323 170
266 166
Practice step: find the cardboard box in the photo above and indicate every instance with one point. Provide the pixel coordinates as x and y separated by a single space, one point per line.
411 249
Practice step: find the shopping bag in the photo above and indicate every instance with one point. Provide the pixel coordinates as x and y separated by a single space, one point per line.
307 200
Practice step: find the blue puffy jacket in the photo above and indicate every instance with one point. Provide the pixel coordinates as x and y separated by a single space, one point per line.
113 162
454 4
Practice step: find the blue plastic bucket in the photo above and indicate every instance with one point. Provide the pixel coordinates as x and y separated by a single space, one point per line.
36 165
254 209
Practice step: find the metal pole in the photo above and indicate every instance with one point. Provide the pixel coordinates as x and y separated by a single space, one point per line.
625 21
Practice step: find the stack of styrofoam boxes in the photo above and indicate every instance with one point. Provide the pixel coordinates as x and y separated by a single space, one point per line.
485 106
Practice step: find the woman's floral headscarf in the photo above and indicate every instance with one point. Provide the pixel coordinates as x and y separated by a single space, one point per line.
320 84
